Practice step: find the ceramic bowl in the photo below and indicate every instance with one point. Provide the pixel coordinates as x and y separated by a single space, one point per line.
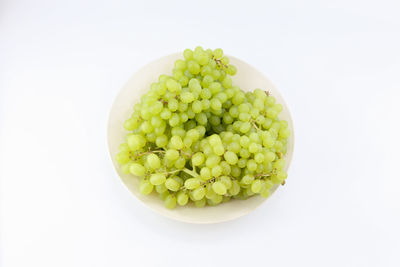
247 78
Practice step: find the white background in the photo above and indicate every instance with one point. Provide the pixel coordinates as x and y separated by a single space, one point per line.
337 65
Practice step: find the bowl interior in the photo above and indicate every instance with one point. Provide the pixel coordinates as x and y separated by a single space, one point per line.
247 78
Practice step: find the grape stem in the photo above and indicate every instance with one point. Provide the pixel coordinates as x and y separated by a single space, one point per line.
149 152
172 172
219 62
192 173
186 154
262 175
254 124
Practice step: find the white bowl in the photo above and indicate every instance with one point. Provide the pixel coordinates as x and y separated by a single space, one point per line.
247 78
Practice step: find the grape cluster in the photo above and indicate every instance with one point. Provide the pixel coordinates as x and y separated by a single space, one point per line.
196 137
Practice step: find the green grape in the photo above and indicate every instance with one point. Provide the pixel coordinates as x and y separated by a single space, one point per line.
207 150
272 113
215 104
225 60
177 74
172 154
173 86
231 157
214 140
215 87
284 133
122 157
197 106
183 80
193 67
244 153
187 142
226 181
219 150
265 193
226 168
207 80
162 141
182 198
123 147
178 131
235 188
219 188
247 179
279 164
215 200
185 116
238 98
259 158
205 93
227 118
135 142
176 142
183 106
193 134
188 54
187 97
137 169
256 186
170 202
172 184
197 159
245 127
125 168
174 120
281 175
205 173
201 118
199 193
206 70
157 178
130 124
165 115
200 203
268 184
216 171
192 183
249 192
161 188
180 64
242 162
205 104
231 70
218 53
244 141
180 163
164 195
145 187
153 161
253 148
214 120
251 165
212 161
173 105
235 171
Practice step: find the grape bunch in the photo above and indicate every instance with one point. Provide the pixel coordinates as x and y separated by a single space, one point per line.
195 137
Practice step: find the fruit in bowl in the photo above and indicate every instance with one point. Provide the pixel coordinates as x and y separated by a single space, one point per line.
196 137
